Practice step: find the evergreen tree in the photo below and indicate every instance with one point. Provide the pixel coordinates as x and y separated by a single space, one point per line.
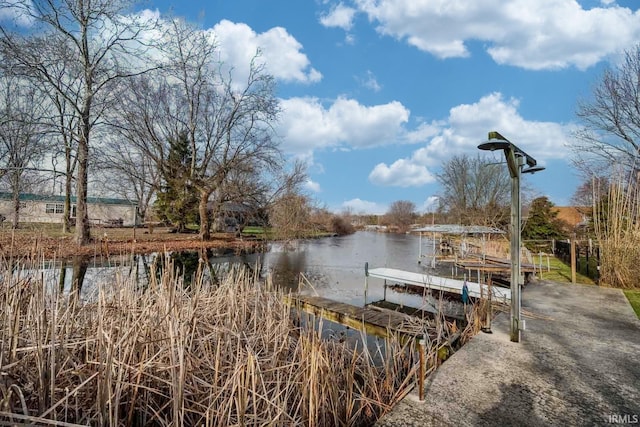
177 200
543 223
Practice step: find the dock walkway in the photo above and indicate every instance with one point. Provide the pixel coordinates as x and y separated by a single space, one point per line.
440 283
376 321
577 364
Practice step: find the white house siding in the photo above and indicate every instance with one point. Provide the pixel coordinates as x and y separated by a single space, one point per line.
103 213
50 210
31 211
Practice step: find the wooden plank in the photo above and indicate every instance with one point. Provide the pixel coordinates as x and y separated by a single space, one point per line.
425 312
493 268
501 261
375 322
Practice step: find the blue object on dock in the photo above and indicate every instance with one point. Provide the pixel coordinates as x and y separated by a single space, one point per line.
465 293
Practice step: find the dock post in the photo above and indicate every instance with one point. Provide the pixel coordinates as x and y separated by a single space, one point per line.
489 311
433 258
421 344
573 259
366 282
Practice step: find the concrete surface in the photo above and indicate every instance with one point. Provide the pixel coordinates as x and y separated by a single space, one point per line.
577 364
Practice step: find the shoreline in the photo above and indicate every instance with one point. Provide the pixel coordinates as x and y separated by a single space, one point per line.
50 244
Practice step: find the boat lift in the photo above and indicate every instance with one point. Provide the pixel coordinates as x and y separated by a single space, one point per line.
452 229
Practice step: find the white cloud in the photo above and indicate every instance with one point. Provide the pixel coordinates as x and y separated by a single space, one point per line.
465 128
238 44
359 206
280 51
541 34
308 125
402 173
468 124
370 82
424 131
18 12
312 186
340 16
430 205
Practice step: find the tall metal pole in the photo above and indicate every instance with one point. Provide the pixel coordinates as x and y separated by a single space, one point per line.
516 220
516 159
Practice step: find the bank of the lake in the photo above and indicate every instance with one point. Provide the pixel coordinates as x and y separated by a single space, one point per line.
50 243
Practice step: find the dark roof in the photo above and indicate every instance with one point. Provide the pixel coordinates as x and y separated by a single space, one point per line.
30 197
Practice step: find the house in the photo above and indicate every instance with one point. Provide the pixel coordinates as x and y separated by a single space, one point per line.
50 209
231 217
576 217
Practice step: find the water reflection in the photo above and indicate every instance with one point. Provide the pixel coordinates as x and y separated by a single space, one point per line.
332 267
79 264
82 276
286 269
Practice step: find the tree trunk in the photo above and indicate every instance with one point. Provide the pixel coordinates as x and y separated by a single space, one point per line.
66 224
83 233
205 223
80 265
16 208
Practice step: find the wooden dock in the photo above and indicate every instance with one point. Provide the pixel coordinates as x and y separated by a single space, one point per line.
437 283
422 313
383 323
373 320
495 265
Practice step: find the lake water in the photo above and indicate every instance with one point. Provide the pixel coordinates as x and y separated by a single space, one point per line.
334 267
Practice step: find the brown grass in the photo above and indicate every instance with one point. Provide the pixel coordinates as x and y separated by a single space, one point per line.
617 228
40 239
212 355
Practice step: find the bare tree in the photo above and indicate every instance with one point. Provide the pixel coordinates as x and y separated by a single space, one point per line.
289 215
591 191
228 125
258 192
129 173
22 137
401 213
77 49
64 125
475 191
610 133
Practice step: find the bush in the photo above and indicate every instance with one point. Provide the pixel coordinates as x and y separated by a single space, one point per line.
341 226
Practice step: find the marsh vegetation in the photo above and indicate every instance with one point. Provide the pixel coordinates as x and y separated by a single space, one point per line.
224 353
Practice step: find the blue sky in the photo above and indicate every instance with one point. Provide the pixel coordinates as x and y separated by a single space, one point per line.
376 94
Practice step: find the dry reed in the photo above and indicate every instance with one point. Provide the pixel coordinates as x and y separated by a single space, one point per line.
212 354
617 228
